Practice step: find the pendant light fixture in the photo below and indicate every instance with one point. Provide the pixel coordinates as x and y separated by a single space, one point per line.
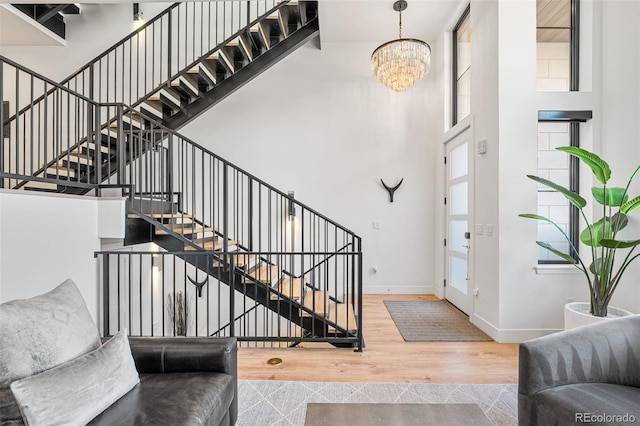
401 63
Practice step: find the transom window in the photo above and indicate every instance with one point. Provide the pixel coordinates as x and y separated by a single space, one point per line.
557 39
462 67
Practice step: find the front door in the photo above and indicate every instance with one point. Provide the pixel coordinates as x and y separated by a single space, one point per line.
458 220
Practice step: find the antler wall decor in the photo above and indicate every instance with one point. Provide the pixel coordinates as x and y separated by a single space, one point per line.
199 285
390 189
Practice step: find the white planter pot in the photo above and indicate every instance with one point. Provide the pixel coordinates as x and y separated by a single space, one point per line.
576 314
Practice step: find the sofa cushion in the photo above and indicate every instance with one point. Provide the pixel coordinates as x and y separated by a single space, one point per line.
77 391
172 399
561 404
47 330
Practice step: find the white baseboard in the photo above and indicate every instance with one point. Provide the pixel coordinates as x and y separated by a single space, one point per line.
510 335
404 289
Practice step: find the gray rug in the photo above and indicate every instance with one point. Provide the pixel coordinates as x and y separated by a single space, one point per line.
395 414
433 321
273 402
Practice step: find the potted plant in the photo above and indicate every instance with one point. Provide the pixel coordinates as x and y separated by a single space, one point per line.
603 275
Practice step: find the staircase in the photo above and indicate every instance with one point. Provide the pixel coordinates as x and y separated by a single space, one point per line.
175 79
297 275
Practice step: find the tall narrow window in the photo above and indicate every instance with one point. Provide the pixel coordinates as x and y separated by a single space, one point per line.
558 128
462 67
557 45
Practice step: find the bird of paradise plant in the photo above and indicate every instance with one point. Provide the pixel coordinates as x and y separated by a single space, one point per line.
604 274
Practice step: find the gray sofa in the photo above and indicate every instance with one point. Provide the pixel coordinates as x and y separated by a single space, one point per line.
54 369
586 375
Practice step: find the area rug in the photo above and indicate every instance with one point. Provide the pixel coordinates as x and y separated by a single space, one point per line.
433 321
395 414
273 402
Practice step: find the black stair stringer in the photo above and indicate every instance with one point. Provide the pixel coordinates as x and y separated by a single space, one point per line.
258 291
244 75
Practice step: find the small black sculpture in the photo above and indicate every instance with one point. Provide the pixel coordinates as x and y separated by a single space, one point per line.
197 284
391 190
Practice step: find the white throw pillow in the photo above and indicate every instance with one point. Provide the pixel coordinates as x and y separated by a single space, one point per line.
39 333
77 391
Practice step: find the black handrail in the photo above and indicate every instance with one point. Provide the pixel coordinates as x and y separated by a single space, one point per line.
122 41
129 110
57 86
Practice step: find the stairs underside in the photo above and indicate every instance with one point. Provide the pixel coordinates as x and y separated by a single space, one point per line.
255 276
231 65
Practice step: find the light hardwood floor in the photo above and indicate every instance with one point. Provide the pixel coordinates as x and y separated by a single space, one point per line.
387 358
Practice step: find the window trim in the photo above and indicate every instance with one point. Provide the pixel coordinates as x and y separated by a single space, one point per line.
454 67
574 82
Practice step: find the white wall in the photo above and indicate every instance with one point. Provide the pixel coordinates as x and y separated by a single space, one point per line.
620 134
318 123
45 239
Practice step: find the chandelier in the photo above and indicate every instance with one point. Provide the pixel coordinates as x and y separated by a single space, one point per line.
401 63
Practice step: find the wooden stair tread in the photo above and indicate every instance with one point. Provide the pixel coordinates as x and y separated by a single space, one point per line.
78 158
167 95
212 245
131 118
185 229
317 299
91 145
201 69
290 287
342 314
60 170
182 81
240 260
41 185
162 216
268 274
153 107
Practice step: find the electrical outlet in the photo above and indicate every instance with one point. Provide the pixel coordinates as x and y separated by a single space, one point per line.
375 225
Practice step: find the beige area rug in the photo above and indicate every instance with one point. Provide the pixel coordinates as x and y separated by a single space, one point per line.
395 414
433 321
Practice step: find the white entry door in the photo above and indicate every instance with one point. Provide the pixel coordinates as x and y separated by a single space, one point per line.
459 220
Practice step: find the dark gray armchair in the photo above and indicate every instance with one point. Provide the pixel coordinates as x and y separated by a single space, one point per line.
588 375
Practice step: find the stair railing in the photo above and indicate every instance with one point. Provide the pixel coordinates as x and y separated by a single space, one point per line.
143 291
45 128
158 51
181 187
133 68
